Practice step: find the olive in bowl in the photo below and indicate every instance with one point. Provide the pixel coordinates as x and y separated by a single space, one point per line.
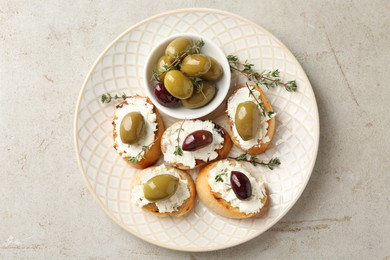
195 81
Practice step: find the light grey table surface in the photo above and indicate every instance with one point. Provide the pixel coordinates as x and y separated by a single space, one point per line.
46 50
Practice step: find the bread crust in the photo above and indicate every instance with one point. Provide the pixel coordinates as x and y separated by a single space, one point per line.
222 152
184 208
154 152
213 200
259 148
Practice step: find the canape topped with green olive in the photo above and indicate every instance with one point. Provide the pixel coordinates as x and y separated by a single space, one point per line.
163 191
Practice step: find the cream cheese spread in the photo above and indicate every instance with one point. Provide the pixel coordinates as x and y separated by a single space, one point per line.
188 158
221 185
166 205
243 95
146 109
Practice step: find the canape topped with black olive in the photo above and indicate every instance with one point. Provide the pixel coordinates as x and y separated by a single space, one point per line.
189 144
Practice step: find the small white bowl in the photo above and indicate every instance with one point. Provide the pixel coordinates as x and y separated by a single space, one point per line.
180 111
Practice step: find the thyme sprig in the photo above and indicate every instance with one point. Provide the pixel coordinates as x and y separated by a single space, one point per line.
178 151
270 113
156 75
194 49
269 79
107 97
141 155
222 173
198 85
271 164
259 103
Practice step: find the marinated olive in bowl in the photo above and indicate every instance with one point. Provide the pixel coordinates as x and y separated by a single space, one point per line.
177 47
195 65
201 98
215 72
164 97
178 85
162 63
187 76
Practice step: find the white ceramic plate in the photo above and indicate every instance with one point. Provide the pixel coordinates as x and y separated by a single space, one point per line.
119 69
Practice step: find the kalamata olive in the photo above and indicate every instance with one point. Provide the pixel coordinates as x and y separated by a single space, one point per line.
177 47
241 185
161 186
178 85
197 140
163 96
195 65
215 72
132 127
247 120
201 98
162 65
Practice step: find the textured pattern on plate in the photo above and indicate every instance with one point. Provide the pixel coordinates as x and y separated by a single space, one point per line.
119 69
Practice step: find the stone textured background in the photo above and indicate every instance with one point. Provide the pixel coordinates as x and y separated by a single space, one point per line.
46 50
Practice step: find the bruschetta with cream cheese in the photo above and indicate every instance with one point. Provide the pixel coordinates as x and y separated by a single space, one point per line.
190 144
138 128
228 189
163 191
251 119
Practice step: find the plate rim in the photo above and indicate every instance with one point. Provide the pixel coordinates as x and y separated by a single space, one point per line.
157 243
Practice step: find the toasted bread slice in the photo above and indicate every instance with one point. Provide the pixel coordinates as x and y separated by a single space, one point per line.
183 208
152 155
261 146
173 130
215 202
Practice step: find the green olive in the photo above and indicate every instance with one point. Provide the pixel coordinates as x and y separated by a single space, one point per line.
177 47
162 64
215 72
201 98
178 85
161 186
247 120
195 65
132 127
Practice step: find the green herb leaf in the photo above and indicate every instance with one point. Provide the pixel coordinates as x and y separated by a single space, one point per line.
196 47
156 75
198 84
178 151
270 113
106 98
221 173
241 157
291 86
273 162
232 58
